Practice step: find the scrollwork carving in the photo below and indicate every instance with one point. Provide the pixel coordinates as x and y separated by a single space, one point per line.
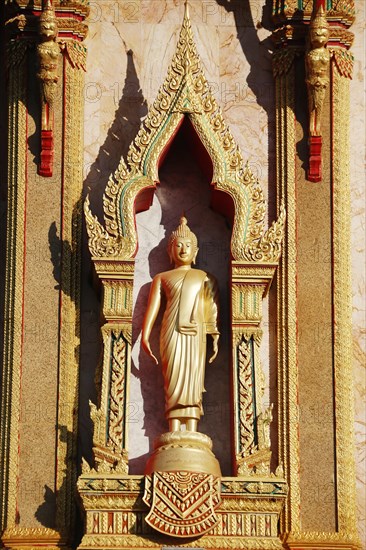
282 60
246 411
253 443
267 248
76 53
109 418
101 243
344 62
116 406
185 92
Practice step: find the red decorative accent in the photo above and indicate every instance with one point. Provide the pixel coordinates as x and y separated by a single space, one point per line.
315 158
182 504
319 3
46 165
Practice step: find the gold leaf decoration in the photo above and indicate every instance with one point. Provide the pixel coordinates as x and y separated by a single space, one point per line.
184 93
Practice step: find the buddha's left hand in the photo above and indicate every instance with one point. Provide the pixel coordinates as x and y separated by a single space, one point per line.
215 345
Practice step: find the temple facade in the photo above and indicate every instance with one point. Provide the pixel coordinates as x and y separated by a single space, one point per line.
247 117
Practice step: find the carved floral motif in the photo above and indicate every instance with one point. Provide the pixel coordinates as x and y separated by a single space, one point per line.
185 92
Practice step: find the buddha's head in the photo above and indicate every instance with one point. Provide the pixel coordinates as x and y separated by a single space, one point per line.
182 245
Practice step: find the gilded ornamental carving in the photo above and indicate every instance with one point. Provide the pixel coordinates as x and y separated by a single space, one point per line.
182 478
184 86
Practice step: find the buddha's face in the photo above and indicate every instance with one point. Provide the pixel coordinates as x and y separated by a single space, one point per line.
183 251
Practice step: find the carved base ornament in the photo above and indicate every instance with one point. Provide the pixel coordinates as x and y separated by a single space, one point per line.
183 499
182 485
182 504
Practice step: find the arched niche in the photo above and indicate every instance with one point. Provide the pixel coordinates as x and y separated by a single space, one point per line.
221 201
185 176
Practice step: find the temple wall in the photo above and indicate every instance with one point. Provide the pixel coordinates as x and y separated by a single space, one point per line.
129 48
130 45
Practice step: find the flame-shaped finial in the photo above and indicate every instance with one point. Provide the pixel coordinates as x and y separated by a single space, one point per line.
186 9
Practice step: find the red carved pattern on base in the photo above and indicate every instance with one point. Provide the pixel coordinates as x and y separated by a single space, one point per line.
46 164
182 503
315 159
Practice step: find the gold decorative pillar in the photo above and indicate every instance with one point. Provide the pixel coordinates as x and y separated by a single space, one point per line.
250 284
314 316
110 418
39 398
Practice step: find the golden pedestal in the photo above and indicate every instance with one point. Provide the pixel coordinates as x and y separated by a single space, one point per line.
183 451
182 485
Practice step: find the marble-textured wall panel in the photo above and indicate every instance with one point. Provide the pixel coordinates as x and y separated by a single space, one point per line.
358 228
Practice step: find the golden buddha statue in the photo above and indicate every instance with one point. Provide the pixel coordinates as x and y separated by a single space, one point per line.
191 312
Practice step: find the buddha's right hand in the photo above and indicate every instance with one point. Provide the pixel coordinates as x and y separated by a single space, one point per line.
146 346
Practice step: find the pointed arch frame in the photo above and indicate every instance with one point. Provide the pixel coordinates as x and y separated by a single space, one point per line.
185 92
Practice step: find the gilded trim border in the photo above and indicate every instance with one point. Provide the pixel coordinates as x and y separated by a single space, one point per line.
343 376
288 412
70 234
346 534
15 235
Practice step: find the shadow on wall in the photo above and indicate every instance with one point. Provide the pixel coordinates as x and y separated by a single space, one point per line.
258 53
65 498
131 109
43 512
249 19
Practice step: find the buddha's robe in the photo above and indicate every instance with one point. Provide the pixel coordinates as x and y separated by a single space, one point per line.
191 313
